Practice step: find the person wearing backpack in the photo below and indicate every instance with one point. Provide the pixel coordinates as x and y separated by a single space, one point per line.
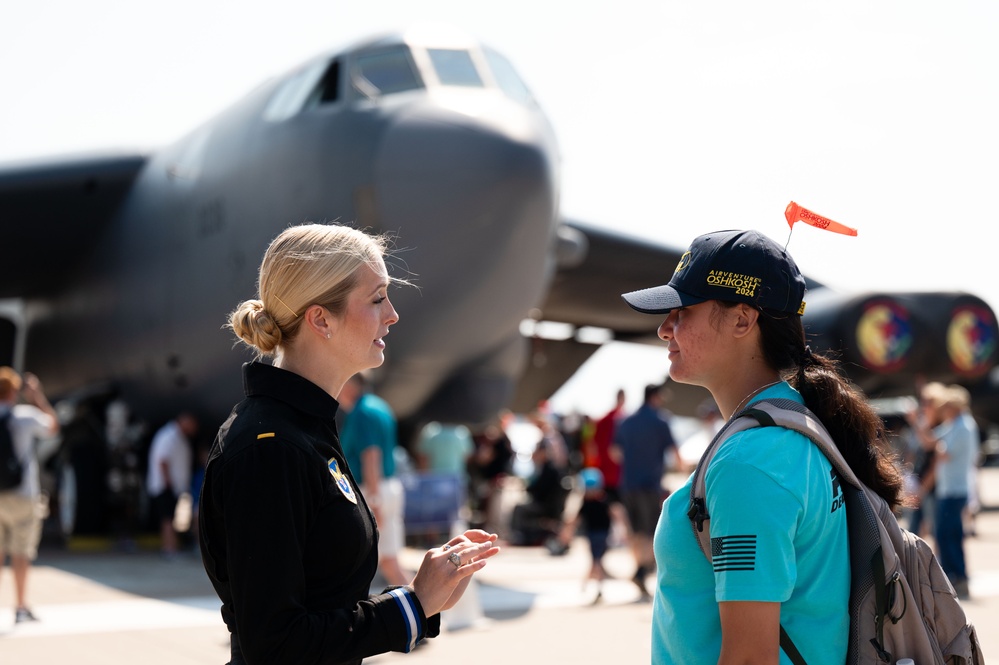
778 528
20 509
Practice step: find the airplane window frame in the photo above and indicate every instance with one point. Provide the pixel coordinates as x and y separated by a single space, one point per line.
364 87
443 70
294 95
507 78
321 94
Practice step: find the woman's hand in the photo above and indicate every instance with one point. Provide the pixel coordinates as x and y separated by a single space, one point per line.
446 571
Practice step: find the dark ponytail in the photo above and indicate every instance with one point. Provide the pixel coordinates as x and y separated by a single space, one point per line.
852 422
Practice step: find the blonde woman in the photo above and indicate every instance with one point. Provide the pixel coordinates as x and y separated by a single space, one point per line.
287 539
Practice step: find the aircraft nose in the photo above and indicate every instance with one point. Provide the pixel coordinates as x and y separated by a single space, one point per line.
477 195
482 187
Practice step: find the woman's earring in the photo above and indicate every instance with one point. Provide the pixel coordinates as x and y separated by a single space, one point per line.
327 335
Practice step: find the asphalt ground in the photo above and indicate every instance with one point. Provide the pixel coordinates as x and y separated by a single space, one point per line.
527 606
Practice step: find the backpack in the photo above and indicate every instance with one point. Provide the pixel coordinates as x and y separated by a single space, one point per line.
902 605
11 469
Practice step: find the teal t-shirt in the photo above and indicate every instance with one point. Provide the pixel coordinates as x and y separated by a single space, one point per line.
369 423
447 448
778 534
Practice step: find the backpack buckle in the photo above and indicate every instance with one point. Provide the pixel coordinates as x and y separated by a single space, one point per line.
697 513
882 654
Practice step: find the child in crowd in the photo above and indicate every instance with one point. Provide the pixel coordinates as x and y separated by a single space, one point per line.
595 519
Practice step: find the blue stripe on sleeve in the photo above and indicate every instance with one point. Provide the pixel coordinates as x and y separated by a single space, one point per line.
408 610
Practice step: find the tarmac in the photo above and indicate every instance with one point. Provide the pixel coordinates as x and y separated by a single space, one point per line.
526 606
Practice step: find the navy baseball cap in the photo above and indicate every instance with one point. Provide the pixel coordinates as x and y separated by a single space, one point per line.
732 266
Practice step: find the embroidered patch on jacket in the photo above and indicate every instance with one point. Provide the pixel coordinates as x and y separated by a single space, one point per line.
733 553
341 480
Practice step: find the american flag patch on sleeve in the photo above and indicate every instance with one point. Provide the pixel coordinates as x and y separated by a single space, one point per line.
733 553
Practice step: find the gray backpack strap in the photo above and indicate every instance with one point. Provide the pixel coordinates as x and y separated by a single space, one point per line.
792 415
871 552
776 412
697 510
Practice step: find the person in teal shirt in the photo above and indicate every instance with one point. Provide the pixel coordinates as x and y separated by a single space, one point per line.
786 506
369 437
780 554
368 422
445 448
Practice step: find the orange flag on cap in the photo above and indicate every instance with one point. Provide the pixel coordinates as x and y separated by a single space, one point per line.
795 213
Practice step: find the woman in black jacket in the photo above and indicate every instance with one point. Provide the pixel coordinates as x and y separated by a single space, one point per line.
286 537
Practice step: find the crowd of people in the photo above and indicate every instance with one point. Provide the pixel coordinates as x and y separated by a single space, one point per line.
615 466
617 462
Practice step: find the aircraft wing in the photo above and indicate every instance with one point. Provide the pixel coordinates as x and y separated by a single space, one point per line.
587 287
61 208
595 267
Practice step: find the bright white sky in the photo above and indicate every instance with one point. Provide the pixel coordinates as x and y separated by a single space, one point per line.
674 118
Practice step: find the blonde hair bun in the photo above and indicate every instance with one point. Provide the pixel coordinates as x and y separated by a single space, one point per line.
256 327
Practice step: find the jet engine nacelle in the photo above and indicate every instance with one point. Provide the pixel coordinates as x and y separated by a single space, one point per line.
889 343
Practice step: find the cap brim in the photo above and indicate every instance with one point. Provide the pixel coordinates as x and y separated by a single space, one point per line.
659 299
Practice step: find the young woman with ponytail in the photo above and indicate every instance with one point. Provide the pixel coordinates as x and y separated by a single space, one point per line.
780 553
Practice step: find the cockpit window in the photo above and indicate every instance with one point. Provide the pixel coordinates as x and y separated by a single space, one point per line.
455 67
292 95
385 72
507 78
328 89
